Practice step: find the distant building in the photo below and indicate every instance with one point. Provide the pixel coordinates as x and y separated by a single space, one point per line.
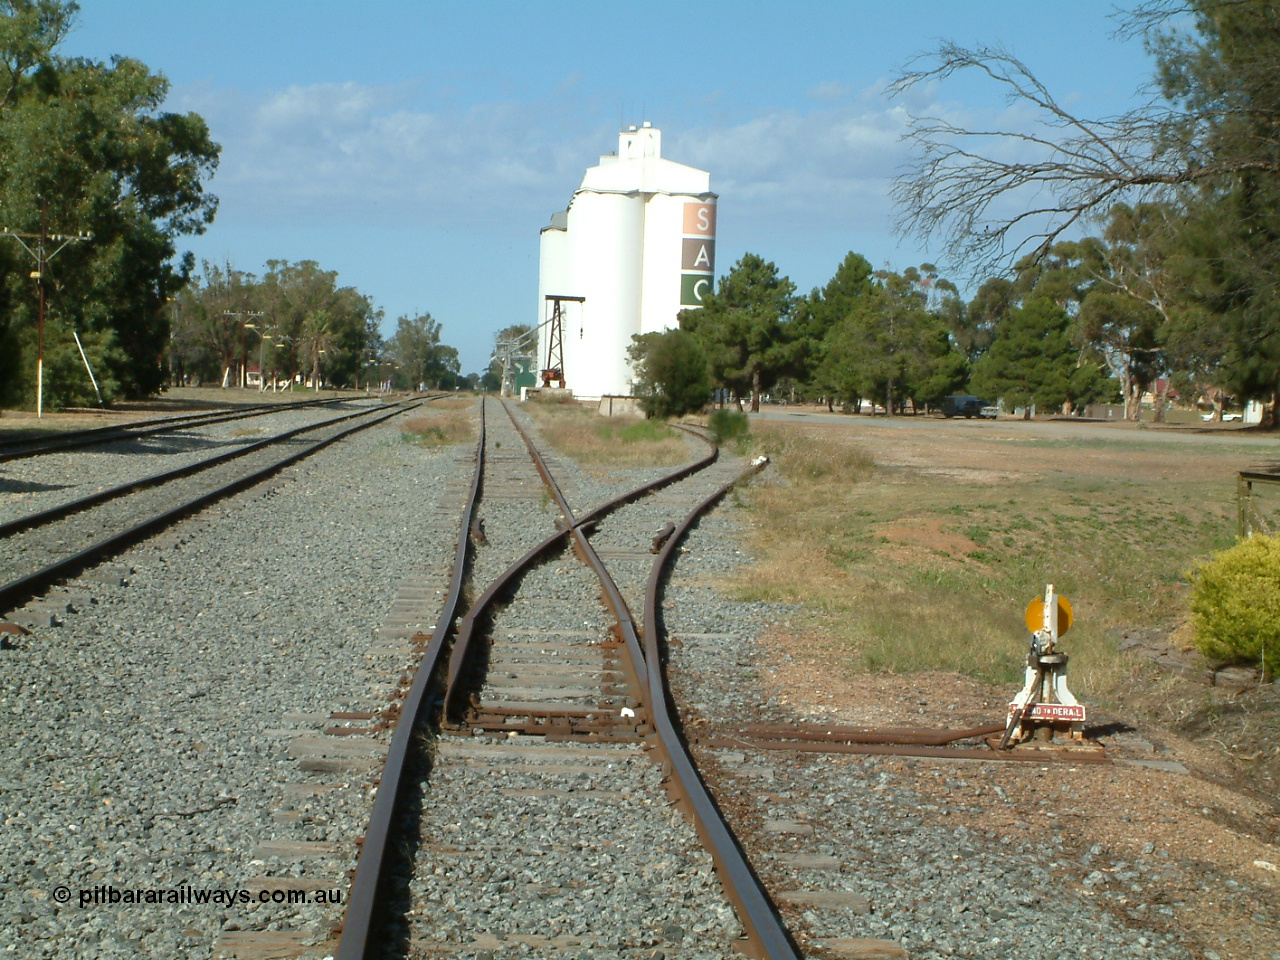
637 242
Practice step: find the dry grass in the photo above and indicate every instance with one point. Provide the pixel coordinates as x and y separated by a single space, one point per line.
920 553
600 444
452 404
439 431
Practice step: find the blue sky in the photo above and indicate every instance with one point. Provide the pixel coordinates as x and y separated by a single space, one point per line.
417 148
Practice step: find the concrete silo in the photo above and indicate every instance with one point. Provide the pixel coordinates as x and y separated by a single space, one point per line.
637 245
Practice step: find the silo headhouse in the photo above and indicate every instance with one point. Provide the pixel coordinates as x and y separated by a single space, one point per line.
636 246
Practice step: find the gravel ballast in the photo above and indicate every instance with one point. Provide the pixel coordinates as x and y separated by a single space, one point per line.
146 739
148 745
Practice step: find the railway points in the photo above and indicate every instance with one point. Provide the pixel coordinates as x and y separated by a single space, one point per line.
538 837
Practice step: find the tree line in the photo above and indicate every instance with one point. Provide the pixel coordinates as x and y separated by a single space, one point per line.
295 324
1106 319
896 341
1171 288
97 186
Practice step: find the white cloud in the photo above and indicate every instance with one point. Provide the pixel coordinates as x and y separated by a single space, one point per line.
829 91
346 152
399 154
826 168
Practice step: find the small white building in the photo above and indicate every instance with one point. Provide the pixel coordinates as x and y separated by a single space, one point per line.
637 243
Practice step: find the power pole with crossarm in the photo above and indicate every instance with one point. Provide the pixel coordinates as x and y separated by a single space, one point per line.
38 249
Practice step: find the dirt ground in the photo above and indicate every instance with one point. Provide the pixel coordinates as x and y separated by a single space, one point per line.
1192 787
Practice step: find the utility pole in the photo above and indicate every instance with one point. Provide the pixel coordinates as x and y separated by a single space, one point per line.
42 257
244 316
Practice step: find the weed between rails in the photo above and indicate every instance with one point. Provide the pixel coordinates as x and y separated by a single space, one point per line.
436 431
598 444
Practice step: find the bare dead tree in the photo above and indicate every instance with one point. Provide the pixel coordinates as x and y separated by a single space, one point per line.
997 195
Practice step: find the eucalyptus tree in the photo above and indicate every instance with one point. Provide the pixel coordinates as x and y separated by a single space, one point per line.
1204 145
89 150
892 345
327 327
208 341
416 347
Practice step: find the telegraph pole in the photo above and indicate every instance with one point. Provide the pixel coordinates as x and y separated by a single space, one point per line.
244 316
42 257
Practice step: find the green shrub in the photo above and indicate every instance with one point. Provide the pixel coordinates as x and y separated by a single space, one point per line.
728 424
1235 604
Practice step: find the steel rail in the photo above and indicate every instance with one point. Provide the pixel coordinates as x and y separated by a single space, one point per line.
18 449
466 627
1027 755
838 734
11 594
372 877
767 936
74 506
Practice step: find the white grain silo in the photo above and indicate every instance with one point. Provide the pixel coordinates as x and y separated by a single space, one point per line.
637 244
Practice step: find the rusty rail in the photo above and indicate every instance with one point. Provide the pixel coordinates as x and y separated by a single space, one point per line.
1033 754
359 924
838 734
767 936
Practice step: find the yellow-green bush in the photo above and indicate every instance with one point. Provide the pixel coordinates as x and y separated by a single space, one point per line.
1236 603
728 425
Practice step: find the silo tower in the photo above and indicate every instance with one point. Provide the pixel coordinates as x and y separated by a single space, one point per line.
635 247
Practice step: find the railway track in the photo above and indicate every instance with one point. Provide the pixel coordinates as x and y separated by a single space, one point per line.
545 698
22 447
545 816
45 546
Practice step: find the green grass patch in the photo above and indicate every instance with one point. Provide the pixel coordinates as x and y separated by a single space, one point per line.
635 431
727 425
